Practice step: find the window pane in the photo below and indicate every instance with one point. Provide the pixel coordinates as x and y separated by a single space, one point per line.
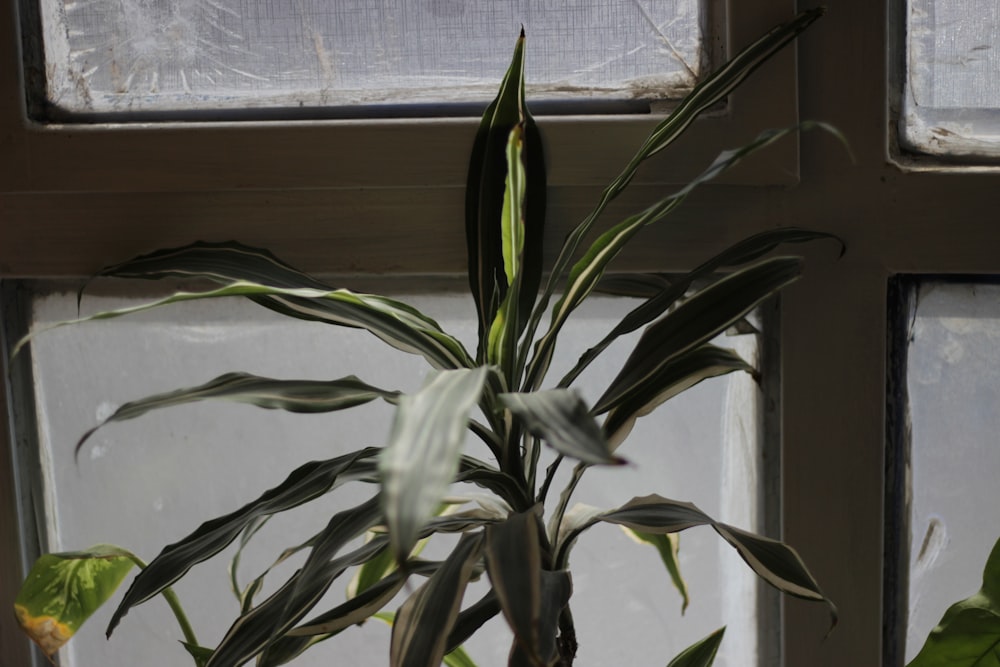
143 55
147 482
951 97
953 383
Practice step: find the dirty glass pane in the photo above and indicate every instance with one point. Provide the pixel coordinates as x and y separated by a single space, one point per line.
148 55
954 389
951 93
149 481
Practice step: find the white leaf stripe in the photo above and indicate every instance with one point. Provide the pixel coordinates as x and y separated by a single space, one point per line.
423 623
708 92
395 323
561 418
424 452
775 562
695 322
587 272
305 483
307 396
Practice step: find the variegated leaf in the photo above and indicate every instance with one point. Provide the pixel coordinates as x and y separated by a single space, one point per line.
504 329
256 629
306 396
305 483
484 195
773 561
674 377
563 421
710 91
423 623
399 325
63 590
696 321
700 654
424 452
514 563
663 292
668 546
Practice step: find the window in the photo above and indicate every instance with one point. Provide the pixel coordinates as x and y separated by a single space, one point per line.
145 482
950 95
944 453
140 58
353 196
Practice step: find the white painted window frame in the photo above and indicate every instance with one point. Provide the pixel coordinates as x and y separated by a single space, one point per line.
326 196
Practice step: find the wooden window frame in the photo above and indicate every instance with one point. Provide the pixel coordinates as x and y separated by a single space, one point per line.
60 216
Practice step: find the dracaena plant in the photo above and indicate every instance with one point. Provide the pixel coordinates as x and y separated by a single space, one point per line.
500 393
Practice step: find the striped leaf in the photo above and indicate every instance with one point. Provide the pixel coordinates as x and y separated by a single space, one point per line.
661 292
484 196
397 324
668 546
514 563
588 270
307 396
773 561
563 421
222 263
700 654
675 376
424 452
505 329
556 588
706 94
256 629
423 623
305 483
473 618
695 322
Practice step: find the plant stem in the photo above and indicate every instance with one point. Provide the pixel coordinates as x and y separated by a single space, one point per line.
567 493
173 602
550 474
566 642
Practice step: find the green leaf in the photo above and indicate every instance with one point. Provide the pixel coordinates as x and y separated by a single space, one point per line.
700 654
473 618
458 658
588 271
484 197
305 396
201 654
673 377
290 293
696 321
305 483
706 94
773 561
562 419
222 263
969 633
504 330
668 546
424 452
423 623
256 629
514 563
663 292
64 589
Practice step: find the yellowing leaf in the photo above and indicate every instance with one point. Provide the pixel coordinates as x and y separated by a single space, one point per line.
63 590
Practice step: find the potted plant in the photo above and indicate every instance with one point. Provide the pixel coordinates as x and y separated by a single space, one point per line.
500 393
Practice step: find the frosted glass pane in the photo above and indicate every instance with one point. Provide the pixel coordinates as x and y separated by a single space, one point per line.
954 388
148 482
134 55
952 91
